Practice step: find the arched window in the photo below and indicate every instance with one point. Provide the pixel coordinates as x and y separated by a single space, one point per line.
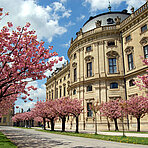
89 88
131 82
113 85
113 57
74 91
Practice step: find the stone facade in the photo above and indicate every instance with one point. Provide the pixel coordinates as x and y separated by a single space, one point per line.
104 63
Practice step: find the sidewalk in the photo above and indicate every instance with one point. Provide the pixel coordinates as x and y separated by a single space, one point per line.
103 133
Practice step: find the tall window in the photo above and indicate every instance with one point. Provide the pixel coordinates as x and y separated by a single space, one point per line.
89 69
74 91
89 111
64 92
52 94
89 88
75 56
75 74
145 51
128 38
57 93
130 61
113 85
60 92
112 65
144 28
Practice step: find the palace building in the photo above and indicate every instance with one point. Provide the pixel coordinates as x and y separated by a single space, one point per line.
104 63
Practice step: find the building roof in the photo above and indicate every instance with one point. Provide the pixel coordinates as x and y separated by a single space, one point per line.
105 18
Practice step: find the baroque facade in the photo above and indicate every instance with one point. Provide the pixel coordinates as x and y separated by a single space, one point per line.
104 63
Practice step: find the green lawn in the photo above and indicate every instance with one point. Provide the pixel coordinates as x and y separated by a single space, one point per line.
128 132
134 140
5 142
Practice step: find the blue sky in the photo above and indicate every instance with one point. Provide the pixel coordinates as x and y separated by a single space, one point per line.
56 21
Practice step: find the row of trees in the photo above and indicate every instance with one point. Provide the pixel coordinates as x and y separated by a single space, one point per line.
51 110
114 109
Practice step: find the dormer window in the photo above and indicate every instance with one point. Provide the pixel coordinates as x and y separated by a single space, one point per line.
110 21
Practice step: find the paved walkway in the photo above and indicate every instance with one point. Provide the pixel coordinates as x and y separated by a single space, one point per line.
29 138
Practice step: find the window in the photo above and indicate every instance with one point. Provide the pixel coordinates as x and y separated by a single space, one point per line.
4 119
64 92
56 93
112 65
60 80
69 75
89 88
88 48
89 111
113 85
75 56
144 28
111 43
74 91
52 94
89 69
110 21
65 78
131 82
0 120
75 74
145 51
130 61
60 92
128 38
57 82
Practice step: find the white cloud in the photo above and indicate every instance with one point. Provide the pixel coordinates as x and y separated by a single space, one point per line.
45 20
80 18
70 24
63 1
58 65
26 106
103 4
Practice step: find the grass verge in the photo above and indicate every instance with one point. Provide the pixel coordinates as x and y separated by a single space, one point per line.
128 132
121 139
5 142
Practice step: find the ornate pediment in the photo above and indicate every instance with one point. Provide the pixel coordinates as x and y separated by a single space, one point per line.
144 41
129 49
74 64
112 54
89 58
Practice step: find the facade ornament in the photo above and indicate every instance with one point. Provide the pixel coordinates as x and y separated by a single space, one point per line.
89 58
117 20
132 9
80 32
144 41
112 54
74 64
98 24
129 49
71 40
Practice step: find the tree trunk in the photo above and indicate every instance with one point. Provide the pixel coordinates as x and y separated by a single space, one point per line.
108 124
63 124
44 122
138 124
77 124
95 123
52 124
116 125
